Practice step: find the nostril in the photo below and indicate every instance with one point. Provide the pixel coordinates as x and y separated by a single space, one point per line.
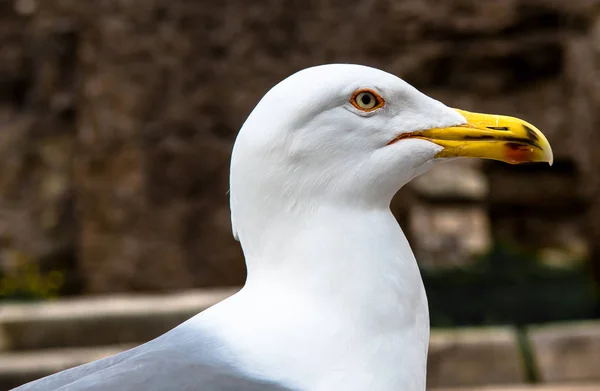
497 127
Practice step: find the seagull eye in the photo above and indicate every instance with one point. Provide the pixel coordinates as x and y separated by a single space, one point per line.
366 100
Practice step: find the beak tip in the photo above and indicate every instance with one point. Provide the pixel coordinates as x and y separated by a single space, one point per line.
549 154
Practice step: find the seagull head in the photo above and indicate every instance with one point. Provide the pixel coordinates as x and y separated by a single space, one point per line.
352 134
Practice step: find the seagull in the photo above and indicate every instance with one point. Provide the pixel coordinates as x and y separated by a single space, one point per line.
333 298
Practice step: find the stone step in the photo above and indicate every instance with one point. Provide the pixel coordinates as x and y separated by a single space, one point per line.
99 321
457 357
17 368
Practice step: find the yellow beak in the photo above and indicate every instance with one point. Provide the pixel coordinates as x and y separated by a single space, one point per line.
497 137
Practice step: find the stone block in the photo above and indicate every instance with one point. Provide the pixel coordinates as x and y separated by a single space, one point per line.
99 321
567 352
448 235
474 357
455 180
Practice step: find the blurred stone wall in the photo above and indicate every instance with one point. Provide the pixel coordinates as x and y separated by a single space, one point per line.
118 117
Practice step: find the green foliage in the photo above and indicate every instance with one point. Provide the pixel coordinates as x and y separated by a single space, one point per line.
508 287
26 281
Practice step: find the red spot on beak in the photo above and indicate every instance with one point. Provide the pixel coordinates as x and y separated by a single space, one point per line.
518 153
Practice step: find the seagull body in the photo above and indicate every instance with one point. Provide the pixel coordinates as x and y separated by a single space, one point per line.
333 298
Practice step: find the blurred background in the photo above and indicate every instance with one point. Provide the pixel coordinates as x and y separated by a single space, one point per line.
118 116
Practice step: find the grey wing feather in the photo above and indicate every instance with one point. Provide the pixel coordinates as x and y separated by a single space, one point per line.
62 378
166 363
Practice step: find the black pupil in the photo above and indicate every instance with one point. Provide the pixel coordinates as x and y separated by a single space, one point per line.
366 99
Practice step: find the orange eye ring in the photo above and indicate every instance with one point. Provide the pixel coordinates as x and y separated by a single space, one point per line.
366 100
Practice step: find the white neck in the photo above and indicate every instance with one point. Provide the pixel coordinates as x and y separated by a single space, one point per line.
356 258
347 278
